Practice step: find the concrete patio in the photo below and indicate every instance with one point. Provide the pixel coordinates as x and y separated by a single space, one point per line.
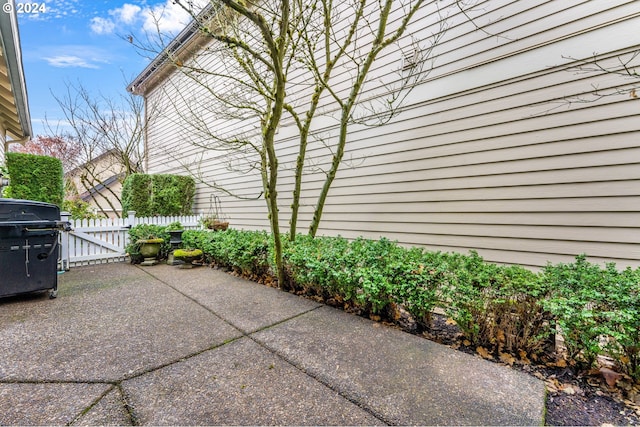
129 345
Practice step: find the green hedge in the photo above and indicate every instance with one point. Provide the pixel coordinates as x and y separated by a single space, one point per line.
35 178
502 308
163 195
598 311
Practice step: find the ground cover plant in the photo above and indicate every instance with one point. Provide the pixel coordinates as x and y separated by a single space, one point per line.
504 313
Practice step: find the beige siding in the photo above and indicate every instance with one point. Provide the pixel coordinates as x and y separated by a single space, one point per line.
502 149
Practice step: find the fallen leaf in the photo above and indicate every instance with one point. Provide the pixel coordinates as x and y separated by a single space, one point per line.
524 358
450 321
560 363
375 317
552 385
466 342
568 390
610 376
507 358
633 93
484 353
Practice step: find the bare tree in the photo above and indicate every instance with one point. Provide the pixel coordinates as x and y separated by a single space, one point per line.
274 60
110 134
624 66
329 54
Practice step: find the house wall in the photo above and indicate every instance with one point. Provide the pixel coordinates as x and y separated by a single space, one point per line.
504 148
88 178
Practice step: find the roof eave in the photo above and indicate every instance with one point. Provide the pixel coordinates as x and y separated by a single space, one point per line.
13 57
160 63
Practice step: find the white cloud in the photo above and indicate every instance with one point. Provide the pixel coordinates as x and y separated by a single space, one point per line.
64 61
165 17
102 25
80 56
128 13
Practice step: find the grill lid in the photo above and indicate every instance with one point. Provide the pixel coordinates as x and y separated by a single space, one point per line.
16 211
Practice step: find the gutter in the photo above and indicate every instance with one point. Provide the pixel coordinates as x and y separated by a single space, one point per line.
136 87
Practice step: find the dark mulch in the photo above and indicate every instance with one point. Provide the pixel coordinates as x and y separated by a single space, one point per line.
588 409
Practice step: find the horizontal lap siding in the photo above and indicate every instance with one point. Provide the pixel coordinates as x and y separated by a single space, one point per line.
494 152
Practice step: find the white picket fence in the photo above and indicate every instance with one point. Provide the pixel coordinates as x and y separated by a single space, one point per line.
97 241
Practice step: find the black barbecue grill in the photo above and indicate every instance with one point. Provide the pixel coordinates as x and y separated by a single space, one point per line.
29 247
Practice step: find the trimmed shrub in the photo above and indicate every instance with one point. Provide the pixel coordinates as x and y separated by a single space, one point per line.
247 252
152 195
136 194
319 265
497 307
598 311
35 178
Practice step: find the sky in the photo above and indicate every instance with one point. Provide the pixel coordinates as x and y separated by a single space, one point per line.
85 42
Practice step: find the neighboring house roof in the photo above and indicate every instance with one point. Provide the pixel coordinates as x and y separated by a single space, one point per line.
87 195
160 66
14 107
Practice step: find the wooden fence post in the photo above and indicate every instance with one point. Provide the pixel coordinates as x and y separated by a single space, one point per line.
130 222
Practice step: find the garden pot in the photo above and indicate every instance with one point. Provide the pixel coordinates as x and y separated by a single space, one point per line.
219 225
149 249
176 238
187 256
175 241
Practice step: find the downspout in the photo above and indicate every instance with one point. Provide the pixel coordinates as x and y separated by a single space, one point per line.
3 136
146 134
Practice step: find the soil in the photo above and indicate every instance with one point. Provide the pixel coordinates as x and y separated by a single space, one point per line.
588 409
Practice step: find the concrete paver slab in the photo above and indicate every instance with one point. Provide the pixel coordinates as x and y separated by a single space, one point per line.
46 404
108 322
109 411
403 378
239 383
246 305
